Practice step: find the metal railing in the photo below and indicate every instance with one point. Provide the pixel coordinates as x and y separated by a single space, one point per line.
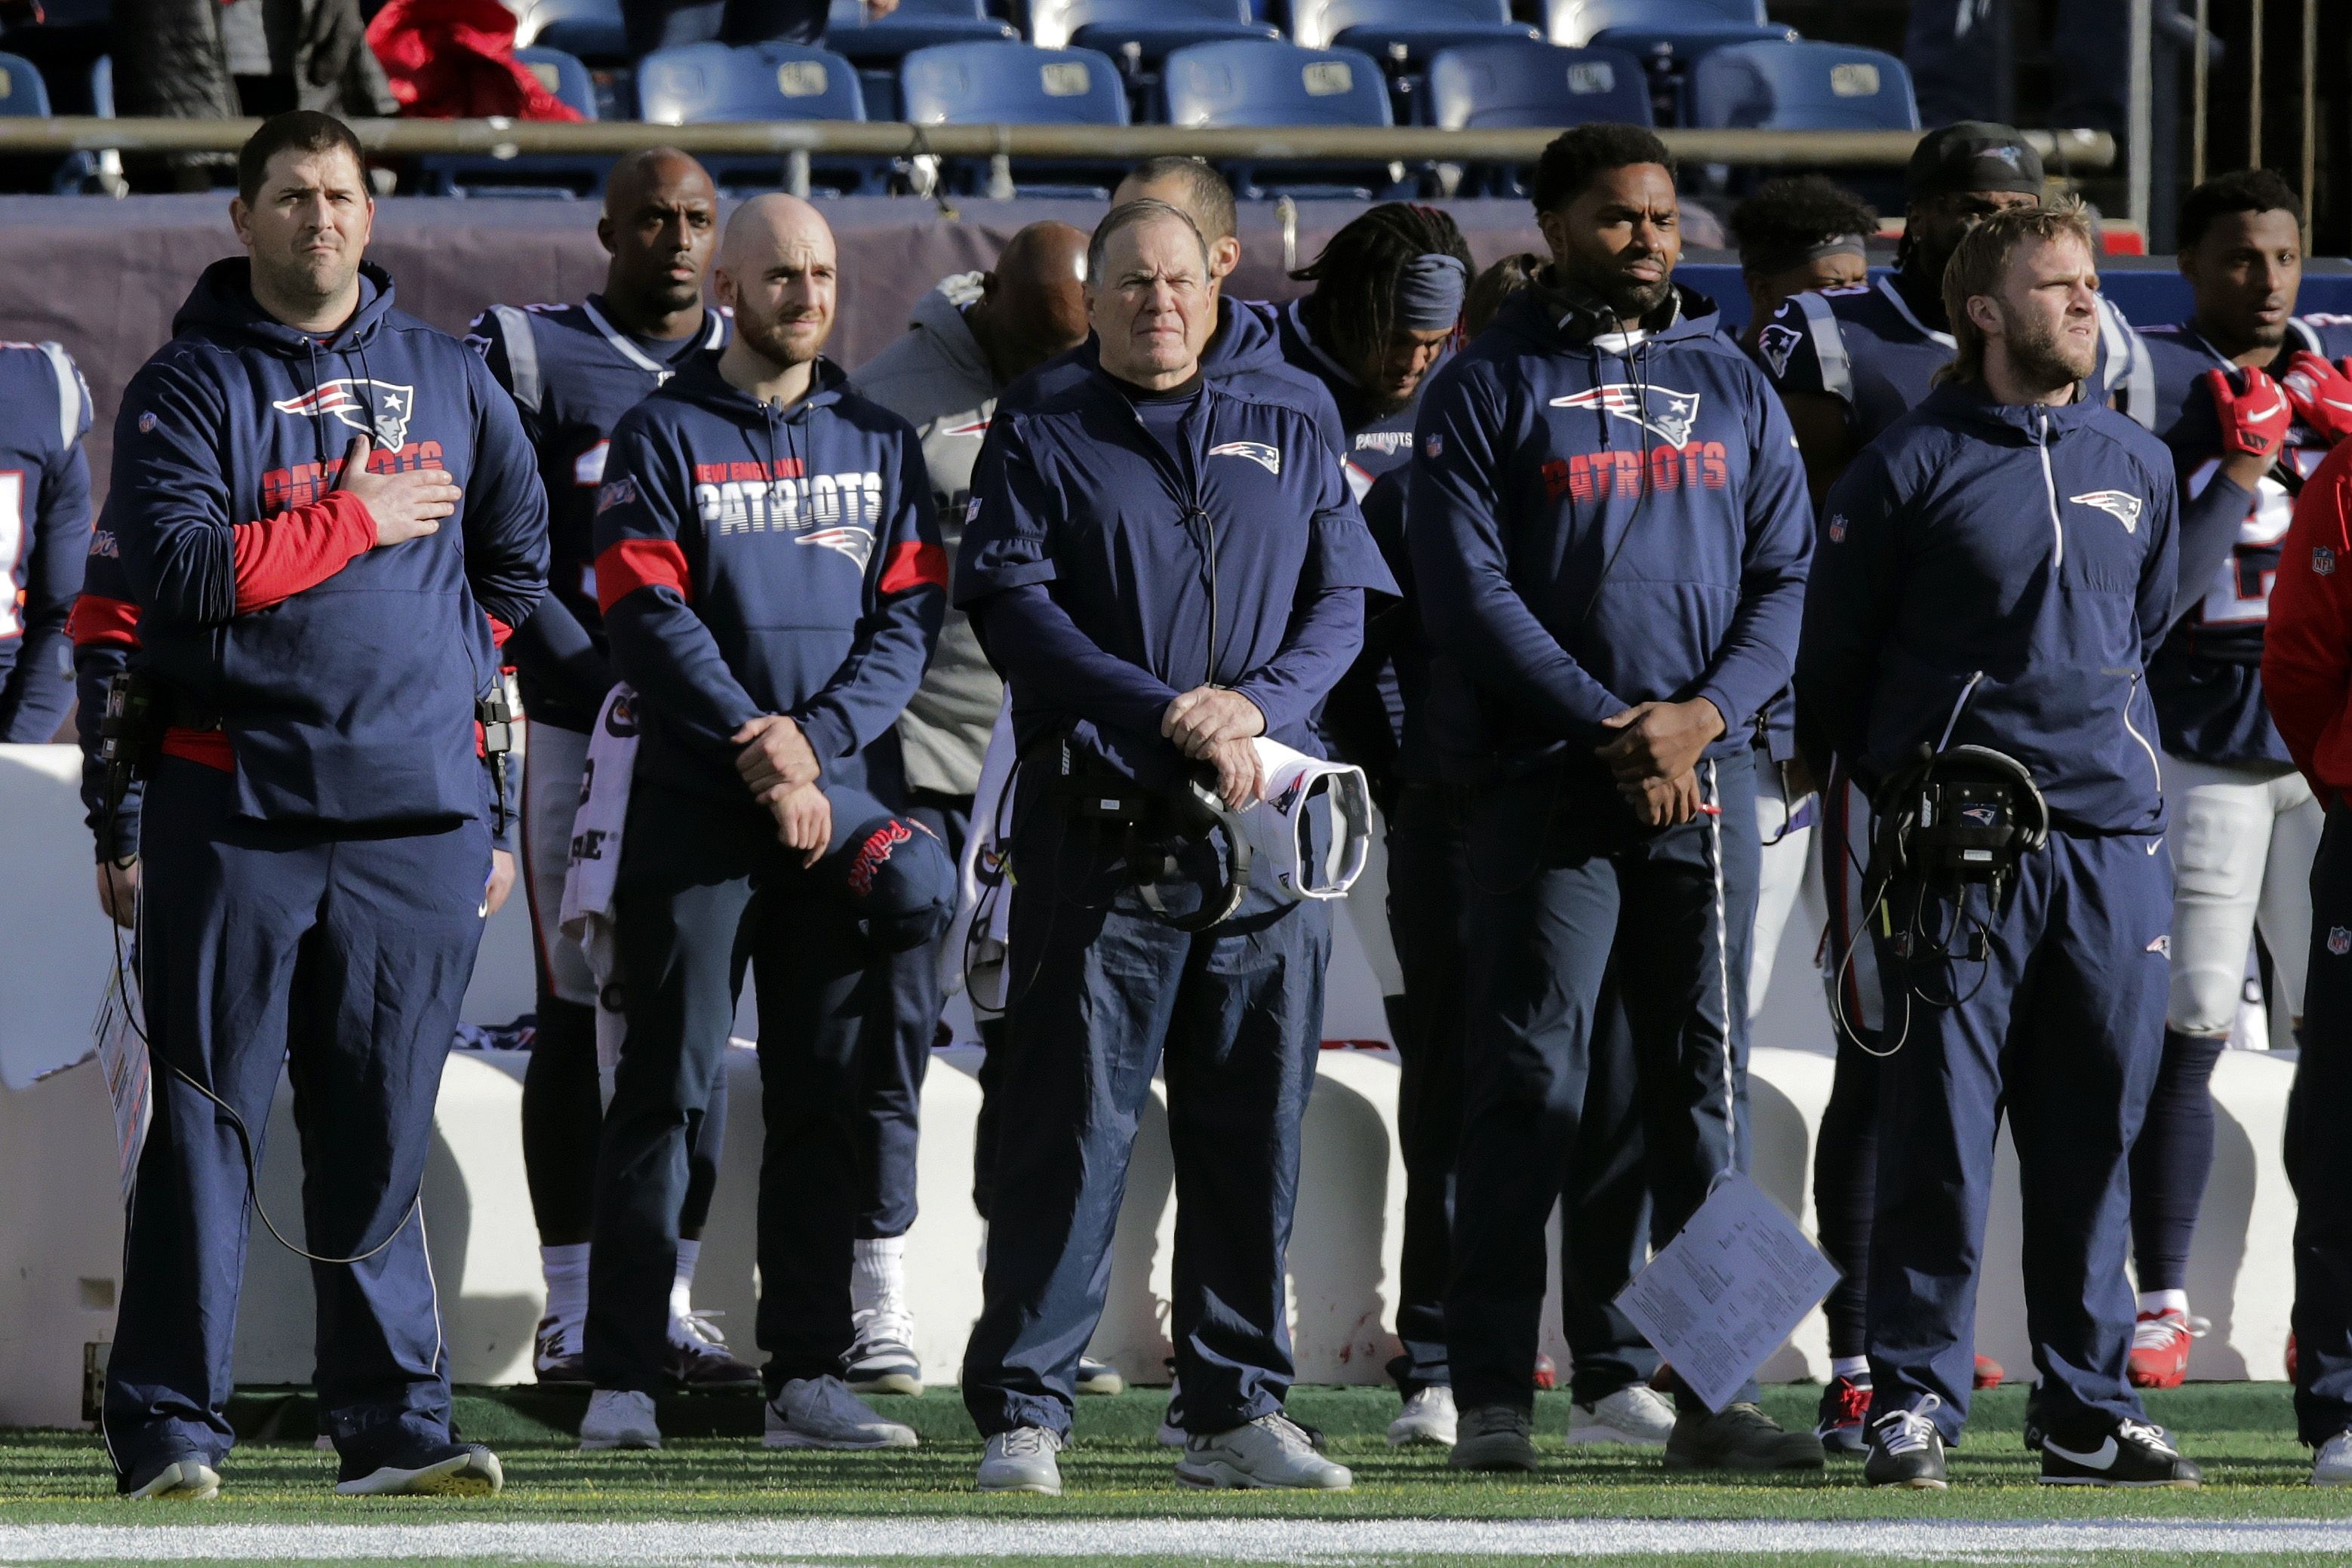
2065 151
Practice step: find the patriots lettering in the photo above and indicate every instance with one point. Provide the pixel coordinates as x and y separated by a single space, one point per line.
753 505
306 482
1593 476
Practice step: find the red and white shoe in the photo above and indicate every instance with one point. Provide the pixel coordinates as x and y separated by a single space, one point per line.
1547 1374
2159 1353
1988 1372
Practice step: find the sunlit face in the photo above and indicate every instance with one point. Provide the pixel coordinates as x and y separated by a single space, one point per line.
307 228
664 234
784 301
2245 271
1391 373
1937 225
2046 314
1620 237
1152 309
1841 270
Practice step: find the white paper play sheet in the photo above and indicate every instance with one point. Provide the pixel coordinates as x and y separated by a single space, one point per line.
122 1053
1729 1290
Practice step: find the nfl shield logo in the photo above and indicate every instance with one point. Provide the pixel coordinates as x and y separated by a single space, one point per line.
1434 446
2323 561
2339 940
1837 529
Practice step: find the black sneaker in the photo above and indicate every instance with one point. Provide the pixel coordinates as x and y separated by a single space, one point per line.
1843 1421
1740 1437
2134 1453
419 1468
1493 1437
1905 1449
2031 1436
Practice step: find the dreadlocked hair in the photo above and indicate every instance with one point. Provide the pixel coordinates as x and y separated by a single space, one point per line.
1353 309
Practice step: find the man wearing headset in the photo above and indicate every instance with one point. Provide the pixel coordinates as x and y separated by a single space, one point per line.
1163 568
1608 532
1995 571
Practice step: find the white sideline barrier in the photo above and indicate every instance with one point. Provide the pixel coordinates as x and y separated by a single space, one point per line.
60 1228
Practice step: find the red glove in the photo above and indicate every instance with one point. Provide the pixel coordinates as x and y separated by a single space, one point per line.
2322 395
2254 419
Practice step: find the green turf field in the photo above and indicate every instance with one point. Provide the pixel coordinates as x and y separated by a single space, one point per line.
1123 1504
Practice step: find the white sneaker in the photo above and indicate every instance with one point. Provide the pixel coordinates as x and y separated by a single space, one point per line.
820 1413
188 1479
1636 1414
1022 1460
619 1418
2332 1465
1428 1417
1172 1420
1271 1451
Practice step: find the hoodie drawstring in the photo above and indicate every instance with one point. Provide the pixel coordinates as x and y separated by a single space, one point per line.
2049 484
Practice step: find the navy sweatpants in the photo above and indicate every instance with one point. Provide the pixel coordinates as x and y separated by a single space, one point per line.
2061 1033
2318 1155
703 887
1103 996
1550 907
345 958
1606 1207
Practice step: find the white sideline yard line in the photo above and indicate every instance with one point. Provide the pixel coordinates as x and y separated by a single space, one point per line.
693 1544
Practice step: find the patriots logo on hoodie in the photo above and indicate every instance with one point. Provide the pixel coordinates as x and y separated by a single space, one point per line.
1661 410
1259 452
2121 505
856 543
378 409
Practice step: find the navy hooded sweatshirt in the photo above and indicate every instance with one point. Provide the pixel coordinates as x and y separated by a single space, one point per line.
2002 573
343 675
753 560
1122 550
1593 526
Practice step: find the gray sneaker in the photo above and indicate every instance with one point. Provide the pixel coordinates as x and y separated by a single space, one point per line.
1740 1437
820 1413
1494 1438
1427 1418
619 1418
1022 1460
1636 1413
1271 1451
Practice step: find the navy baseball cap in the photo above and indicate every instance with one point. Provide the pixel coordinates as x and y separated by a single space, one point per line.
895 873
1972 155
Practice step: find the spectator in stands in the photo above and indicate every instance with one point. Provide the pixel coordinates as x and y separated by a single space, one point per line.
667 24
573 370
202 60
44 534
1995 571
1491 288
1602 800
971 337
2262 397
1795 234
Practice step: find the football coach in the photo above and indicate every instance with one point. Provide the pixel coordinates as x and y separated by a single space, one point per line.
1163 569
1609 534
328 518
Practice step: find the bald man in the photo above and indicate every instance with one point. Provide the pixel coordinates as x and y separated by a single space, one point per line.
969 337
573 370
771 582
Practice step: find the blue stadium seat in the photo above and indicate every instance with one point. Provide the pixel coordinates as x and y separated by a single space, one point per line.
1512 85
877 44
1507 84
711 82
1403 33
589 30
550 174
1801 86
1020 84
1577 21
1261 84
1137 31
23 94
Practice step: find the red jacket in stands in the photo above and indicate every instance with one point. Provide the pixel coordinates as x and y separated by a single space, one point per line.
454 59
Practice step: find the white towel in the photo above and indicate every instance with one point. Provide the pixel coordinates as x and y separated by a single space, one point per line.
593 866
974 954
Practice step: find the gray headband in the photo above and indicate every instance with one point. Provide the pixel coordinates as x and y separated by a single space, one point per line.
1838 245
1429 295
